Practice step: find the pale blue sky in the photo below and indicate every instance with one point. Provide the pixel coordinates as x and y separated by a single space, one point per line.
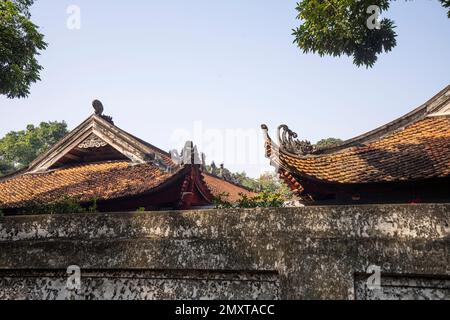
159 66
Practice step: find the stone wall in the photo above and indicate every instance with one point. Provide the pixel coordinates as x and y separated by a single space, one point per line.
301 253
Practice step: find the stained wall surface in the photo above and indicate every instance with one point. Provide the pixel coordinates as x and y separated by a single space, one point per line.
337 252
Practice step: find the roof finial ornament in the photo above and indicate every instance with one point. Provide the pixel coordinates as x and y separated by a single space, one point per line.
98 107
289 142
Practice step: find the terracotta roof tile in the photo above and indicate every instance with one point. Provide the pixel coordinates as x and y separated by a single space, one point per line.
419 151
107 180
218 186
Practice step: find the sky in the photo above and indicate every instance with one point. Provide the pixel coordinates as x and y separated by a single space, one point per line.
213 71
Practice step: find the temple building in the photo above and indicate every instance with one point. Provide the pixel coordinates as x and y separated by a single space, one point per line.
97 161
405 161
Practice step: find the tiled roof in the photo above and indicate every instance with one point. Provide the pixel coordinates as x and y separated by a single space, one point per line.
103 181
418 151
219 187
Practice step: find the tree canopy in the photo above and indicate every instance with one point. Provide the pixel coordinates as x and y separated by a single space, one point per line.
270 192
19 148
446 4
20 44
347 27
267 182
328 143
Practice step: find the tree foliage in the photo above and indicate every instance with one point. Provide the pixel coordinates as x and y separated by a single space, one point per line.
270 192
64 205
20 44
19 148
328 143
267 182
5 167
340 27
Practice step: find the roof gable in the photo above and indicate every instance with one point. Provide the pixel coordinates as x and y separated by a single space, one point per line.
98 160
95 133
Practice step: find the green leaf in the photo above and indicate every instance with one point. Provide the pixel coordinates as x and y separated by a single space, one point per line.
339 27
19 148
20 44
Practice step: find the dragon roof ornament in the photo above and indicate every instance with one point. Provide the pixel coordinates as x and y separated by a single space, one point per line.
288 142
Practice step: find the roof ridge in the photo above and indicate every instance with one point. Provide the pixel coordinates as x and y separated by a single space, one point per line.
135 149
141 141
85 164
426 109
378 139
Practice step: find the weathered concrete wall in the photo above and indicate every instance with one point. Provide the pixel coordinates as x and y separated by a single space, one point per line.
302 253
